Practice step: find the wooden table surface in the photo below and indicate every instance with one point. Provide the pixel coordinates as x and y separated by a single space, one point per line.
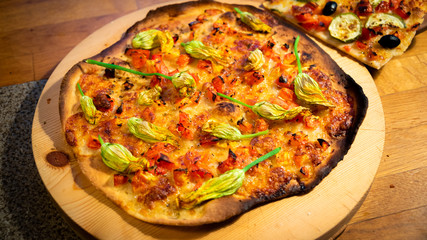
36 35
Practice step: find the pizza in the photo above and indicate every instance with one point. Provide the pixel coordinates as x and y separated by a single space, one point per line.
371 31
204 110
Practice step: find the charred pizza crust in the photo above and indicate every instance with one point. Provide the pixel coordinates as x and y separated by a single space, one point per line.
223 208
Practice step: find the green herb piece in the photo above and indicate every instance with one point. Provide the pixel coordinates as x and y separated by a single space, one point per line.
305 87
148 97
226 131
89 110
184 82
269 110
119 158
149 132
256 60
252 21
180 80
153 38
223 185
199 50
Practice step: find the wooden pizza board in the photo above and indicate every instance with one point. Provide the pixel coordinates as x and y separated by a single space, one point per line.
322 213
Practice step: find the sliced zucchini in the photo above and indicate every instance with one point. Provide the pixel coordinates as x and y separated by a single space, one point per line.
346 27
385 20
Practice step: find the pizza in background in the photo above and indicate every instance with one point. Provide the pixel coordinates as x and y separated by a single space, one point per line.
371 31
204 110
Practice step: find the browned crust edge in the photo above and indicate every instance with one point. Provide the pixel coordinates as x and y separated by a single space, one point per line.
223 208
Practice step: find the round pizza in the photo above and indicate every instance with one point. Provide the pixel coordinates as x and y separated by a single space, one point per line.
204 110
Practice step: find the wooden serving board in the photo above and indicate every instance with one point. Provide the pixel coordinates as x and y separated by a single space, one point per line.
318 214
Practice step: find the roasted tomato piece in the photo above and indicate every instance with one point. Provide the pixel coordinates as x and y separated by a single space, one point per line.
139 56
120 179
183 60
180 177
253 77
364 8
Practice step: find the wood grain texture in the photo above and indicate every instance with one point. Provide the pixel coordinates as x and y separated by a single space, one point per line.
336 198
397 82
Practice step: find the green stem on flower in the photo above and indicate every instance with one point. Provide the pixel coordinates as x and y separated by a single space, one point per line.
296 54
262 158
113 66
238 10
80 89
234 100
254 134
100 140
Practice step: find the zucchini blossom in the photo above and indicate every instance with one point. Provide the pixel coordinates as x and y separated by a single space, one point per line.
184 83
223 185
305 87
199 50
255 60
149 132
275 112
148 97
92 115
153 38
119 158
226 131
253 22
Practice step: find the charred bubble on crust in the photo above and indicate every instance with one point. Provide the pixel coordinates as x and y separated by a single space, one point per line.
57 159
306 57
278 180
323 143
226 108
339 125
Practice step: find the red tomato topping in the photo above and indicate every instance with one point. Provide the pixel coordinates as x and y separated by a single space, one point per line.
383 7
287 94
261 125
183 60
219 84
394 4
253 77
361 45
364 8
366 34
185 125
180 177
139 56
347 48
205 65
324 22
310 25
93 143
208 140
119 180
403 11
302 14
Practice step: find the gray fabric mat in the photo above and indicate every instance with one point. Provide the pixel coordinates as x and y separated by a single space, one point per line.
27 210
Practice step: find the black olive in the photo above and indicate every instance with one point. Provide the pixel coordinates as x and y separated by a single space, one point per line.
389 41
329 8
